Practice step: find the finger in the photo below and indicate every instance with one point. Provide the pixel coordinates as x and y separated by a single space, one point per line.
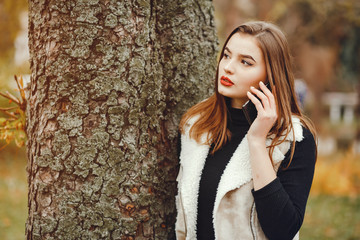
262 112
262 96
264 88
271 98
255 101
268 93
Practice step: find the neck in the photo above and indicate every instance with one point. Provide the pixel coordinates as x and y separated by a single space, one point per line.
238 102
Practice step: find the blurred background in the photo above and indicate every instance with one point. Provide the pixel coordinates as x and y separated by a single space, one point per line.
324 36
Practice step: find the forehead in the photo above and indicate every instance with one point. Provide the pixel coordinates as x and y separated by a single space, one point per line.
245 44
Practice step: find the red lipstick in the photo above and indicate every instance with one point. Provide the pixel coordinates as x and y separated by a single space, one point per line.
226 81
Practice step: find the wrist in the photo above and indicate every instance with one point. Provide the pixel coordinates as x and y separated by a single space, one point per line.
256 140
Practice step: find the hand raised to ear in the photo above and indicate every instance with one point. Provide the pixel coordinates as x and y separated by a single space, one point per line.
267 113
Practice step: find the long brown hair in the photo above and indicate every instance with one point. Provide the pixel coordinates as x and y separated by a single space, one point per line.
213 111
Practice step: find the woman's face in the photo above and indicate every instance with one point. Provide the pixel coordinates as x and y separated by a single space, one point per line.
241 67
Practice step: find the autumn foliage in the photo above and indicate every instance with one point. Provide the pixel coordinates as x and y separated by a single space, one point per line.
12 125
338 176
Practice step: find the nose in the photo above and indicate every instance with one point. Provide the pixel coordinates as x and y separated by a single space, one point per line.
229 67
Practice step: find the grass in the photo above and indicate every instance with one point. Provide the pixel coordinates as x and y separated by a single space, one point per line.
331 217
328 216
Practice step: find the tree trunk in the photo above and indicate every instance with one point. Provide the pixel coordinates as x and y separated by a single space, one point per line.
110 80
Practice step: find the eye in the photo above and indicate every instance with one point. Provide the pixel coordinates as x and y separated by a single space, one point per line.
226 56
246 63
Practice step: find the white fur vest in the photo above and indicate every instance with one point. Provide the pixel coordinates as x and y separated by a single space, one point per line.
234 214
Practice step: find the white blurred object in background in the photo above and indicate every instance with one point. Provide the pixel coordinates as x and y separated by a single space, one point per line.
21 42
342 106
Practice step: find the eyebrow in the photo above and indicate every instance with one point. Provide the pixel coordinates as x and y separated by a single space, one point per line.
242 55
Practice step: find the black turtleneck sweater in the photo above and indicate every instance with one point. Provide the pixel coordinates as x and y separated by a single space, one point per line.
280 205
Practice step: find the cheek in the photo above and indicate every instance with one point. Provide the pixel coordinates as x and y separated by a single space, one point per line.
258 76
263 73
220 67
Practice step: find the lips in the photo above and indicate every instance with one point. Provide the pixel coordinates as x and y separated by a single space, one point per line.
226 81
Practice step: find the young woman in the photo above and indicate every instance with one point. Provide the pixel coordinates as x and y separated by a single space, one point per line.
242 181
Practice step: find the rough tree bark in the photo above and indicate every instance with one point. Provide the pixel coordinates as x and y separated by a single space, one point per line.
110 80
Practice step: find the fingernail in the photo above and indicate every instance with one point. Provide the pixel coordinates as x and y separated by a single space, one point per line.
252 87
261 83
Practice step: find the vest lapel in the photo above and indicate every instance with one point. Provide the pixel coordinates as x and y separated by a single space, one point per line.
236 173
192 161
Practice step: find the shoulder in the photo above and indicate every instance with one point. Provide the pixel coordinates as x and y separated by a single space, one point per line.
308 140
192 115
307 146
304 138
304 153
307 134
298 129
190 122
302 132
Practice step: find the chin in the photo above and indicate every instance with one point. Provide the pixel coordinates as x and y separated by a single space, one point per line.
231 95
222 92
225 93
